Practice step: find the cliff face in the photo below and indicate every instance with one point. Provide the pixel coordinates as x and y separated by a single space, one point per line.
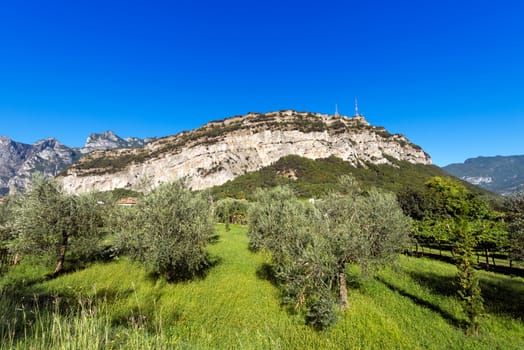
220 151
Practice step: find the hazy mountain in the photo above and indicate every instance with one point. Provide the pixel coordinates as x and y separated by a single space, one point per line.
501 174
223 150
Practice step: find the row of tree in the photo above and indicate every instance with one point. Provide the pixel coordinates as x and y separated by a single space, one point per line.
497 227
311 244
168 230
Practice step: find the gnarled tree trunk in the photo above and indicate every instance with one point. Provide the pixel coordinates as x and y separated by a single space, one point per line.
61 255
343 291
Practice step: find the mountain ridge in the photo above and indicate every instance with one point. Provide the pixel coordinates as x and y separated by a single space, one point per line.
500 174
222 150
19 161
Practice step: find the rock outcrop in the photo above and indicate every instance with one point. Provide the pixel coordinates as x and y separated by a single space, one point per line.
222 150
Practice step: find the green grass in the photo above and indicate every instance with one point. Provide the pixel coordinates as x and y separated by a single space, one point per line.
117 305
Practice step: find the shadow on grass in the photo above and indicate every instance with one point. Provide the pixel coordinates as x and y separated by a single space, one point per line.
501 295
451 319
266 272
182 273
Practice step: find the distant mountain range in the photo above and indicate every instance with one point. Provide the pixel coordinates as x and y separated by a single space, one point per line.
222 151
18 161
500 174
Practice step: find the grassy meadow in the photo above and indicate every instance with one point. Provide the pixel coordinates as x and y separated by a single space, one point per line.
117 305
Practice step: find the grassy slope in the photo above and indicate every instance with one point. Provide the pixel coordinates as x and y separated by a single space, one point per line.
315 178
409 308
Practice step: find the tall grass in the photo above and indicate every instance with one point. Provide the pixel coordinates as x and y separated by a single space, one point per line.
118 306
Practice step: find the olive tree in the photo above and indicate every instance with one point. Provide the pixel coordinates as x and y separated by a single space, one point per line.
171 229
5 221
311 246
366 229
300 254
231 210
6 234
47 220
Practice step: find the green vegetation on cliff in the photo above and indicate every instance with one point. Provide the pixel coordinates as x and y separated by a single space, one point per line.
315 178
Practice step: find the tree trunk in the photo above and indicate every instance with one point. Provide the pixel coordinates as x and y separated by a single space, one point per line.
61 255
343 291
493 259
487 258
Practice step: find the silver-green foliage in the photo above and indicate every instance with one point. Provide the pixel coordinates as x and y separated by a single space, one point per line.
6 231
311 246
300 253
170 230
47 220
367 229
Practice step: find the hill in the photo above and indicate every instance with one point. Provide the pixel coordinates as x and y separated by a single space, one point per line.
223 150
500 174
316 177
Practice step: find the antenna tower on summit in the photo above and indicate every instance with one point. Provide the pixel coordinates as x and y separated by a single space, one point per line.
336 110
356 108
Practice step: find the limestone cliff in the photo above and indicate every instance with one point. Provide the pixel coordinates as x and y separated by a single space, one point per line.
222 150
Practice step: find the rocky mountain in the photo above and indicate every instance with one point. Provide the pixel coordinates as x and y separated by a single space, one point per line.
109 140
12 156
501 174
18 161
222 150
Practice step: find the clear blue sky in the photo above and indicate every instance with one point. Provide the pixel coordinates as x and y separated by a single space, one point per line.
448 74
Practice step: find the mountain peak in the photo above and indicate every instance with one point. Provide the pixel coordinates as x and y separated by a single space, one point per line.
109 140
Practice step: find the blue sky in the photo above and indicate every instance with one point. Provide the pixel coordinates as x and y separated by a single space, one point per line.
447 74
